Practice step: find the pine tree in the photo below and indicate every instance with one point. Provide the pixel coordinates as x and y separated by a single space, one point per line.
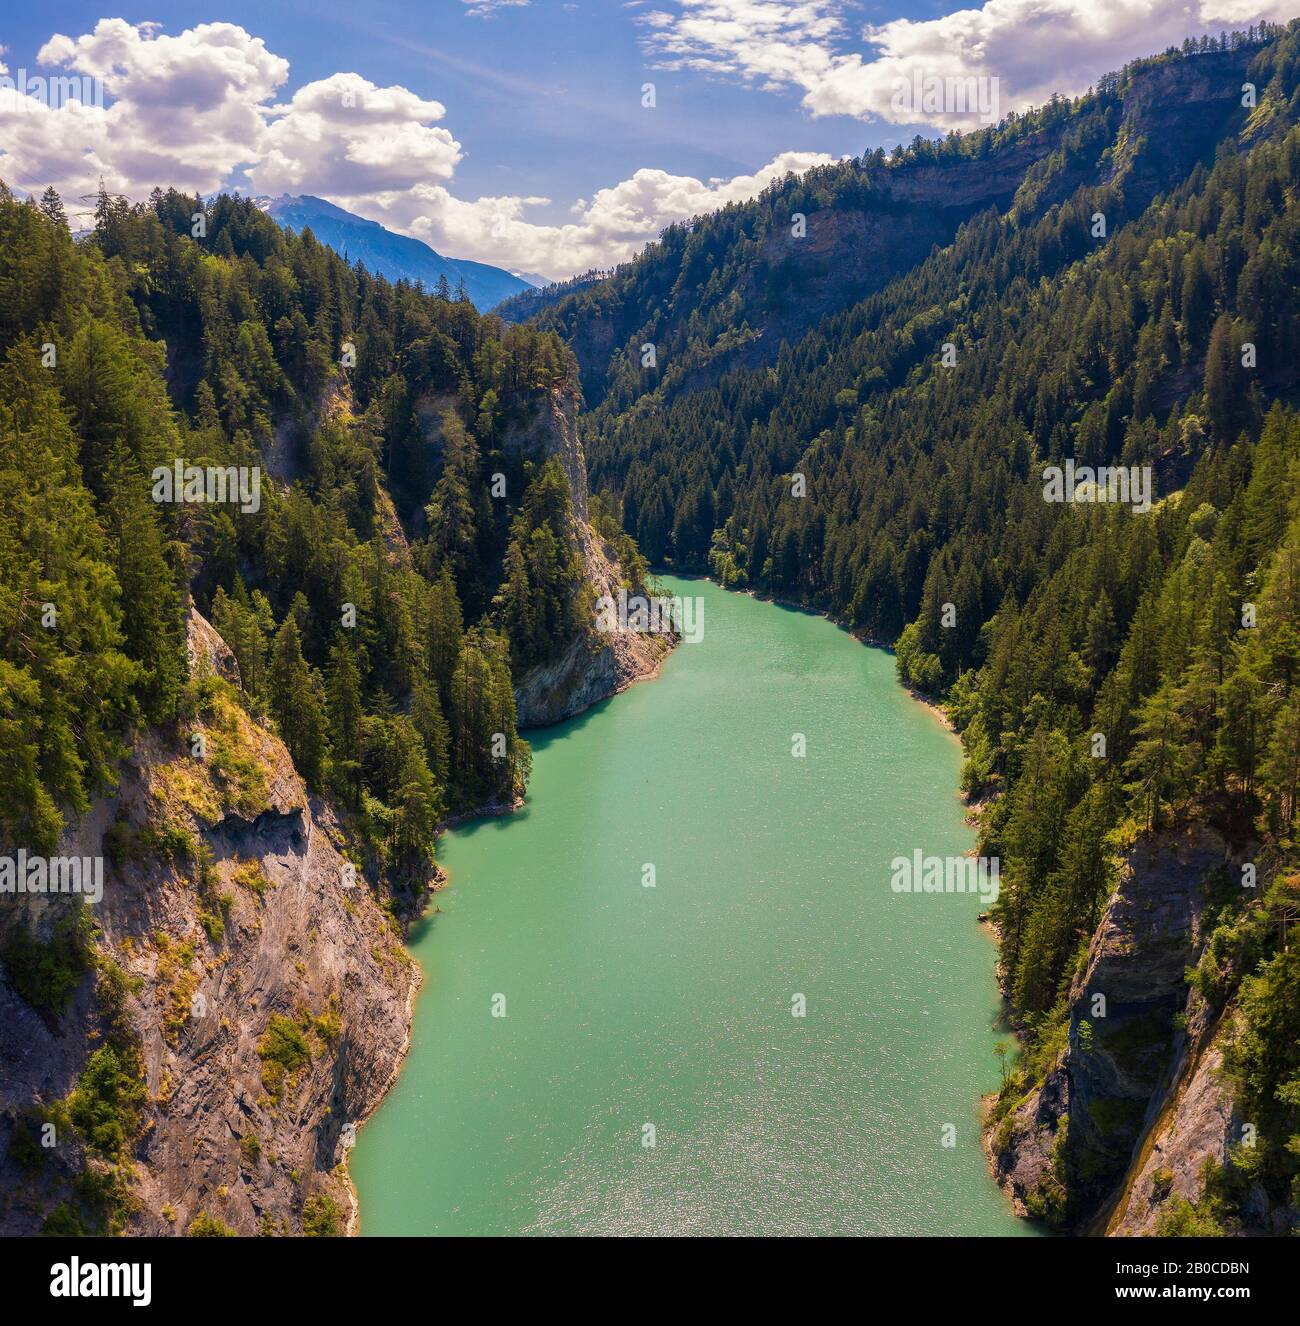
345 714
296 704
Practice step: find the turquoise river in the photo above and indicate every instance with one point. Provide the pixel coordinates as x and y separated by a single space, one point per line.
666 1014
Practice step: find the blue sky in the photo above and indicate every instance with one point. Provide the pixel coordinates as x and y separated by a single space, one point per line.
545 98
515 132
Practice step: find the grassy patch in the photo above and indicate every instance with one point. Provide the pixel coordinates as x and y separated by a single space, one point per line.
321 1217
176 982
205 1226
168 841
1162 1183
250 875
285 1051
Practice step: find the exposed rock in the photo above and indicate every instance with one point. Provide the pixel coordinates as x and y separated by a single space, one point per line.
595 665
553 431
1196 1125
1124 1048
279 930
1024 1153
207 651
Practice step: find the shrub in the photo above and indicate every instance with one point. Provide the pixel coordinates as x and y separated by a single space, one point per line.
204 1226
105 1104
46 971
63 1222
1184 1221
321 1216
1162 1183
284 1051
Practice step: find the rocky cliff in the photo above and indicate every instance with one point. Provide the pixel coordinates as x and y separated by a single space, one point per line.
1135 1036
252 976
596 665
1196 1123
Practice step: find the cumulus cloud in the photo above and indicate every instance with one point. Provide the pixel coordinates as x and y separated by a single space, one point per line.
344 135
192 110
1031 47
200 108
612 226
183 110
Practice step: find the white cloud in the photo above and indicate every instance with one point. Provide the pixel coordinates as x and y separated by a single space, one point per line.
344 135
614 225
484 8
1032 47
192 110
196 109
184 110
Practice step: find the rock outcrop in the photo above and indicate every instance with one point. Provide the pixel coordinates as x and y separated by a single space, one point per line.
1127 1048
1196 1124
594 665
269 992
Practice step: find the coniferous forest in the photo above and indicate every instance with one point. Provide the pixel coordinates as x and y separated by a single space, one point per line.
225 353
883 462
291 554
396 565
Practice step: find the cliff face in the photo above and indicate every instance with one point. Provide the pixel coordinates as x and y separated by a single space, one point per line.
1126 1050
595 665
265 992
268 994
1196 1123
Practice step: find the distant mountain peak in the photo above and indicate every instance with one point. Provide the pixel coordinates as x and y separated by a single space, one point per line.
388 254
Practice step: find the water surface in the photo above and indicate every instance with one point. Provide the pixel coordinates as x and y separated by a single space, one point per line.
671 1006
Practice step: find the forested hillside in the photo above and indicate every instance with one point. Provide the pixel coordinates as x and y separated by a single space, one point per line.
1116 673
207 419
366 600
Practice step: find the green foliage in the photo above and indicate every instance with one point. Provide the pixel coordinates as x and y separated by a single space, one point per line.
45 971
24 1149
321 1217
205 1226
1162 1183
125 846
107 1102
105 1105
298 704
1110 670
285 1051
1263 1060
64 1222
224 353
214 908
1213 1215
539 605
1184 1221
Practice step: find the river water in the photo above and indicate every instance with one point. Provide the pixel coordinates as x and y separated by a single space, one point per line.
666 1014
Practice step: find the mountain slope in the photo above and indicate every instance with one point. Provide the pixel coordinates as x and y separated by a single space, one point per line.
397 257
1125 290
724 292
254 714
